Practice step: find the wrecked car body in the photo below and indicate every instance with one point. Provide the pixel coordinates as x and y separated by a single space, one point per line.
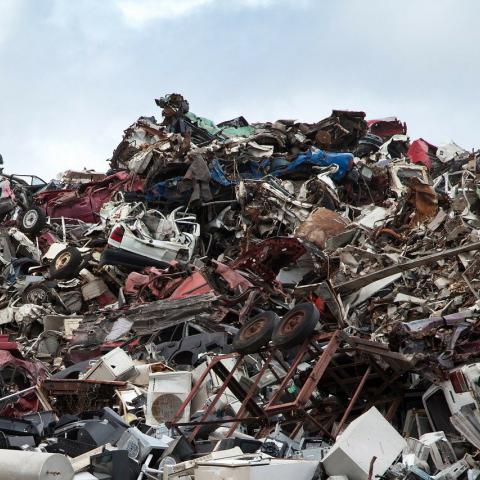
164 239
85 202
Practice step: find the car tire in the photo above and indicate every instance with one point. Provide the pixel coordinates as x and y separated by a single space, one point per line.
66 264
36 294
32 221
256 333
296 325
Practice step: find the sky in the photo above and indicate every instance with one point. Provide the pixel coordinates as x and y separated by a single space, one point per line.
75 73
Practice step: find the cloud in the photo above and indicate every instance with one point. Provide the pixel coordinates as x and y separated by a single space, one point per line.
75 74
9 13
66 153
136 13
270 3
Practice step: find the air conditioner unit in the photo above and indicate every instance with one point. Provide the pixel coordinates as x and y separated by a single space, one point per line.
166 393
114 365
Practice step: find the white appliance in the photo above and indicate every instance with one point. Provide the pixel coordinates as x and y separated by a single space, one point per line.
115 365
368 436
255 467
139 445
166 393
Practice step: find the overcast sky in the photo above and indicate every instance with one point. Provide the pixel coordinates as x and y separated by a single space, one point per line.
75 73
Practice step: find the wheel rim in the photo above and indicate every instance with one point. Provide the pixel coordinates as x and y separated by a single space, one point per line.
30 218
253 328
292 323
62 260
37 296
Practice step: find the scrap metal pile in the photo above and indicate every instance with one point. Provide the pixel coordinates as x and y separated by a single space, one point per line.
238 300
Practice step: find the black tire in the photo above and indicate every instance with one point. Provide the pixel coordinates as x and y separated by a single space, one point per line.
32 221
66 264
37 294
256 333
296 325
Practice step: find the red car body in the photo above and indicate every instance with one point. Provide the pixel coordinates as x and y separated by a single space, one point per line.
387 127
85 202
26 373
420 151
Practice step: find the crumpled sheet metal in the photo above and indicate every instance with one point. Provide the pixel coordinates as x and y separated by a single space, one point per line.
422 152
424 198
19 373
321 225
348 219
442 341
150 317
65 203
267 257
272 203
164 284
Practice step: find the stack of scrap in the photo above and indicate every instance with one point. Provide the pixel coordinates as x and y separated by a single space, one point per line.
239 300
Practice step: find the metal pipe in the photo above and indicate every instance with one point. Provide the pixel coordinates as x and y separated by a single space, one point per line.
220 421
18 394
353 400
197 386
218 202
250 393
217 397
